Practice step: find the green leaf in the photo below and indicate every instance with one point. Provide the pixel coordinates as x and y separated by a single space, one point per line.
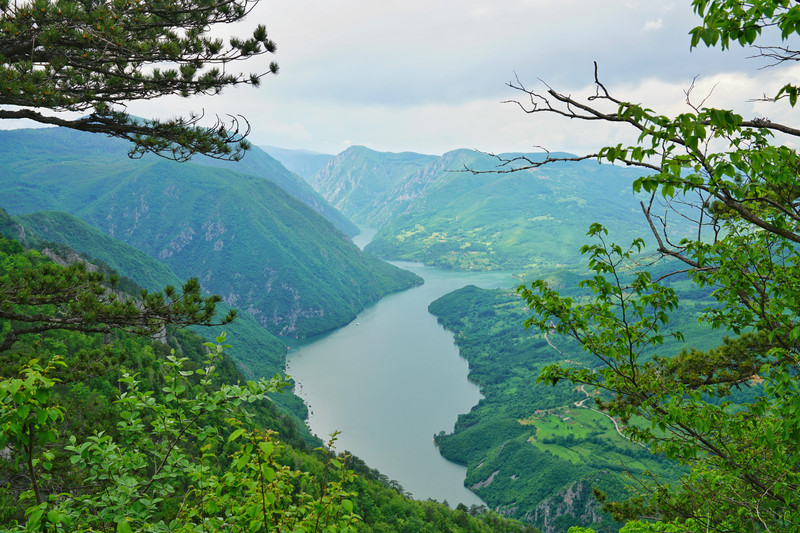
266 447
236 434
242 461
36 515
347 505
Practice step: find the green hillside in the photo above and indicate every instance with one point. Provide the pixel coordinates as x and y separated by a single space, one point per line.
257 352
260 163
62 144
357 181
244 237
428 210
520 221
61 227
533 451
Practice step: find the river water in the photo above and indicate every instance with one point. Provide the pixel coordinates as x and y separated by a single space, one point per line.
390 380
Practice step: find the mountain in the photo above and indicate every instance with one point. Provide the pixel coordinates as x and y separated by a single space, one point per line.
257 352
535 451
517 221
63 228
259 163
304 163
432 210
244 237
357 180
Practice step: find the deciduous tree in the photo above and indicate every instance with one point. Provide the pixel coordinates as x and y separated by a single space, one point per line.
170 464
738 184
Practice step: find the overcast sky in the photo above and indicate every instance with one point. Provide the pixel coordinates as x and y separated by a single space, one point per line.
430 75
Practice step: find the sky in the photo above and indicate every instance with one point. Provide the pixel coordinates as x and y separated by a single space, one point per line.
431 76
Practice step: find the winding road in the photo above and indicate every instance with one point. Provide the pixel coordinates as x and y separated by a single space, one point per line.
580 403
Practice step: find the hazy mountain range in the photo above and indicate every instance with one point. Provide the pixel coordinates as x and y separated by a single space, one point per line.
430 209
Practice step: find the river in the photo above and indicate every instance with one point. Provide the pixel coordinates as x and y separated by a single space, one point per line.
392 379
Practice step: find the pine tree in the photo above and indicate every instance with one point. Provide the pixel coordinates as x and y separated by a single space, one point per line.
58 57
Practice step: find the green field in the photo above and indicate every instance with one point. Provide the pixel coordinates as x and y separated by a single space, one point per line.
528 446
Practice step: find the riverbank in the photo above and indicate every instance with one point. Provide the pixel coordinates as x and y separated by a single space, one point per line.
390 381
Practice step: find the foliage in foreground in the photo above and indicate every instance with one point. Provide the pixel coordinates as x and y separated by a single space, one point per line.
116 432
58 57
230 480
738 185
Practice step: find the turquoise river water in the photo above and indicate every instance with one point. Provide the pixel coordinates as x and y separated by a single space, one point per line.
391 380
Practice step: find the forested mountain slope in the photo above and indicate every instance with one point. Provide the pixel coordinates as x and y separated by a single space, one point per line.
519 221
257 352
304 163
260 163
262 250
357 181
431 210
533 451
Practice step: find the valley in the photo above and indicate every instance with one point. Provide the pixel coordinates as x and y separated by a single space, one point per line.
528 448
568 303
448 414
405 382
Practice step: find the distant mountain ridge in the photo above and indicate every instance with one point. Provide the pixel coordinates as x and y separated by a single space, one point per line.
245 237
520 221
304 163
431 209
358 180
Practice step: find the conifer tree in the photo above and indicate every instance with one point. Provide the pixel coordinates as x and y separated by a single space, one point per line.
59 57
38 295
